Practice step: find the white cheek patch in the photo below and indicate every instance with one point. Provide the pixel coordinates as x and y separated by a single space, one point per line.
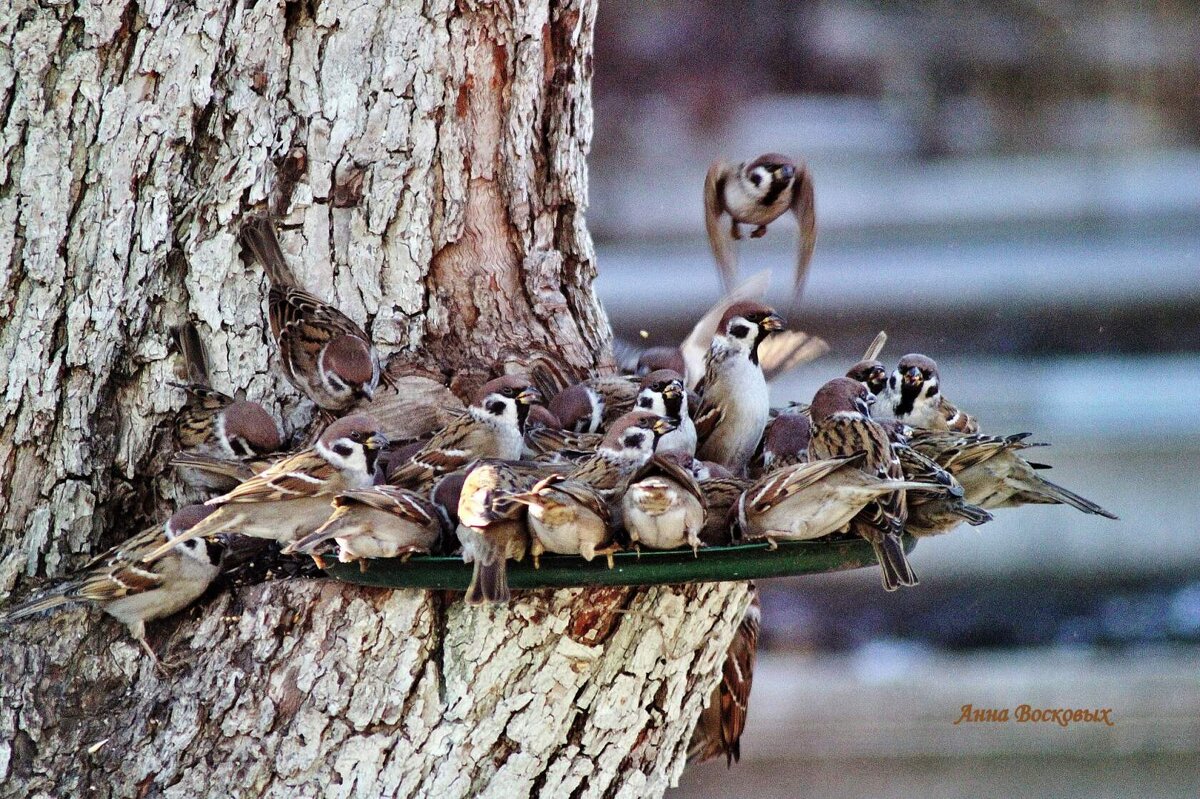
355 462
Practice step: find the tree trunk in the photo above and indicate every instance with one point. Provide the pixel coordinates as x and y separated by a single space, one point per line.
427 166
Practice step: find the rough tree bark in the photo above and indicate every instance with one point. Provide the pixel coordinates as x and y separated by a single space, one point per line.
427 163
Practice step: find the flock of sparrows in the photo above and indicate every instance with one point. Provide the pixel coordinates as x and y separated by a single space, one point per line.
685 450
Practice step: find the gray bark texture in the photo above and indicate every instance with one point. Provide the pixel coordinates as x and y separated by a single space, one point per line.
427 165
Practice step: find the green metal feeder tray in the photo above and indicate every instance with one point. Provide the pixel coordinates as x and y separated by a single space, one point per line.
650 567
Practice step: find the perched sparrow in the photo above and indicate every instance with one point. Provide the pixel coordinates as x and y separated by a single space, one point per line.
874 375
719 729
735 405
379 522
627 446
567 517
492 427
930 513
721 496
324 353
812 500
993 475
916 399
592 405
491 527
215 424
663 507
132 593
842 426
569 514
785 442
662 393
291 498
757 193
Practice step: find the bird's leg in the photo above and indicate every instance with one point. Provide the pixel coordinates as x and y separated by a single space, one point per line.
771 544
758 232
608 553
362 565
735 231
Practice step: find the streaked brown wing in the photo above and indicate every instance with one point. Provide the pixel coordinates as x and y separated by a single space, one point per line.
737 677
804 209
305 474
718 237
400 503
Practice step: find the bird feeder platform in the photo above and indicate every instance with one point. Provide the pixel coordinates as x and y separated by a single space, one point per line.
649 567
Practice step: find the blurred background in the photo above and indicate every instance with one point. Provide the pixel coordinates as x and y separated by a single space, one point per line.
1014 189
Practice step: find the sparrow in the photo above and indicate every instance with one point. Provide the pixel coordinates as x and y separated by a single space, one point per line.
842 426
662 393
324 353
930 513
590 406
916 399
121 585
722 721
735 403
492 527
811 500
493 426
379 522
993 475
785 443
570 514
290 499
664 507
757 193
214 424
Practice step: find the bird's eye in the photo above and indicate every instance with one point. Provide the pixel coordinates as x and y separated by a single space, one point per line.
356 436
739 331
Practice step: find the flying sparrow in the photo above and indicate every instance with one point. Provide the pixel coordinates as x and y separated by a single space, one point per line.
324 353
757 193
842 426
735 403
722 721
993 475
120 584
663 507
492 527
379 522
662 393
914 392
492 427
215 424
290 499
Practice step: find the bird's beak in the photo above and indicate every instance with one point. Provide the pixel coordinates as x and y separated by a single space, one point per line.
773 323
785 172
663 425
673 390
376 441
913 377
530 396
